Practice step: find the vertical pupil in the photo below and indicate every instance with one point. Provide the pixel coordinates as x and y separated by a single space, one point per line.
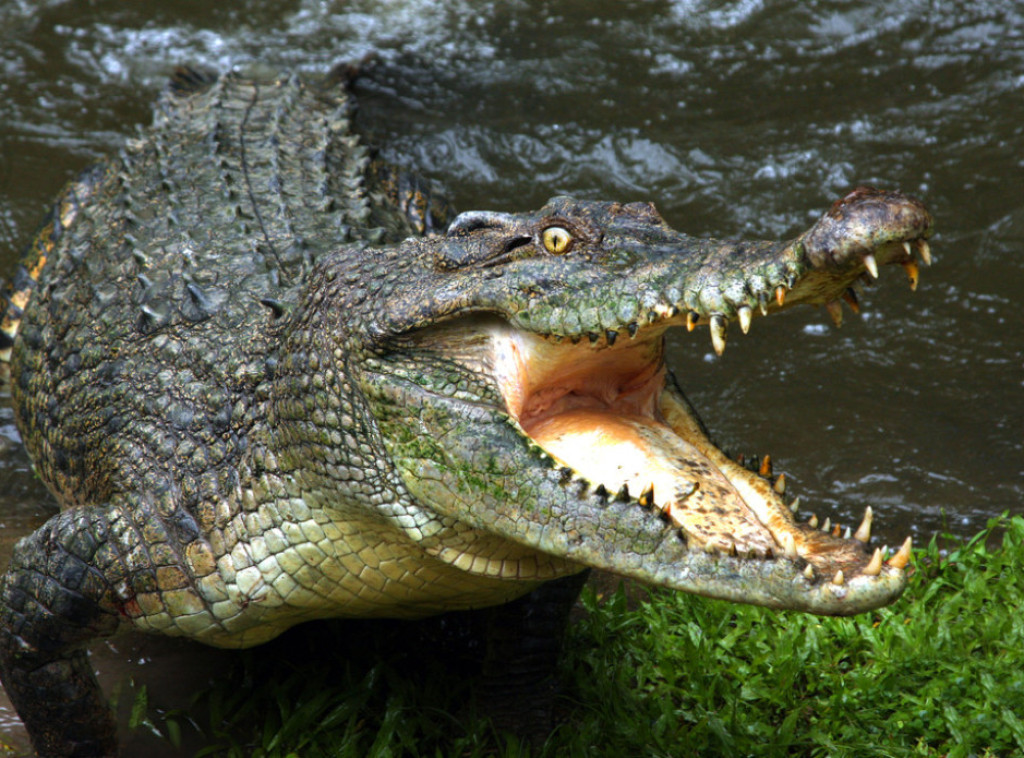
556 240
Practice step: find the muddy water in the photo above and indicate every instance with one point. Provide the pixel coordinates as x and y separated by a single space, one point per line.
743 119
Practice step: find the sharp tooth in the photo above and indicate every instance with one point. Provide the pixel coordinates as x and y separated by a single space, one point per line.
718 333
863 532
632 328
926 252
669 512
851 300
691 320
907 249
902 558
913 273
874 567
744 314
623 494
788 543
813 521
827 525
780 484
780 295
838 579
809 572
795 505
610 335
835 310
871 265
837 530
762 300
766 466
846 534
646 498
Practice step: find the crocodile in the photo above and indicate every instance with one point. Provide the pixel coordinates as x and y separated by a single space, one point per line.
269 378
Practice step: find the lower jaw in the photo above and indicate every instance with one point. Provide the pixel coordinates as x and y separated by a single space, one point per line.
666 461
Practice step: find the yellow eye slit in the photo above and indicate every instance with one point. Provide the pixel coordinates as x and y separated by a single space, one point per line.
557 239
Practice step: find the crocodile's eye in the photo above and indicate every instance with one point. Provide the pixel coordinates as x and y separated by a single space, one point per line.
557 239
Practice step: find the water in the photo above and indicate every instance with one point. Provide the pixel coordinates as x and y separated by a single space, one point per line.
738 119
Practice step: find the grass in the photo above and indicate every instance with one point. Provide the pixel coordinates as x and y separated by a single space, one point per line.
940 673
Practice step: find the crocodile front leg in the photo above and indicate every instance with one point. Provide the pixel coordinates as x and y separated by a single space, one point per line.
524 641
57 596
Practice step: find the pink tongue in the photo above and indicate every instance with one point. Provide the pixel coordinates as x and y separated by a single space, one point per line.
616 449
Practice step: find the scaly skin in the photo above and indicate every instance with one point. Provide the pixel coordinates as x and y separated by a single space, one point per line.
259 401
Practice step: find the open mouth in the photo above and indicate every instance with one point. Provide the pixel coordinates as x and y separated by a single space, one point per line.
566 433
608 411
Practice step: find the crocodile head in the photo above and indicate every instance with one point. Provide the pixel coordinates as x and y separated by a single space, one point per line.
518 379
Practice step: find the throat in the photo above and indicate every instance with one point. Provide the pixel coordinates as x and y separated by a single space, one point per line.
540 378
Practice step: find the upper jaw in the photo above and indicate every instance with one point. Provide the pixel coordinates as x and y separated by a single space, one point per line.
628 271
656 277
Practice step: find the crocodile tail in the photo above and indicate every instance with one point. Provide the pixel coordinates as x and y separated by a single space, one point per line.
16 293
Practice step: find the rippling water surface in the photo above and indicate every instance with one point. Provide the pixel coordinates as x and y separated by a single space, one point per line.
737 119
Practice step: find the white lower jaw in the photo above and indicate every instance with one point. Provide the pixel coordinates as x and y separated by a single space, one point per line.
755 491
667 471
